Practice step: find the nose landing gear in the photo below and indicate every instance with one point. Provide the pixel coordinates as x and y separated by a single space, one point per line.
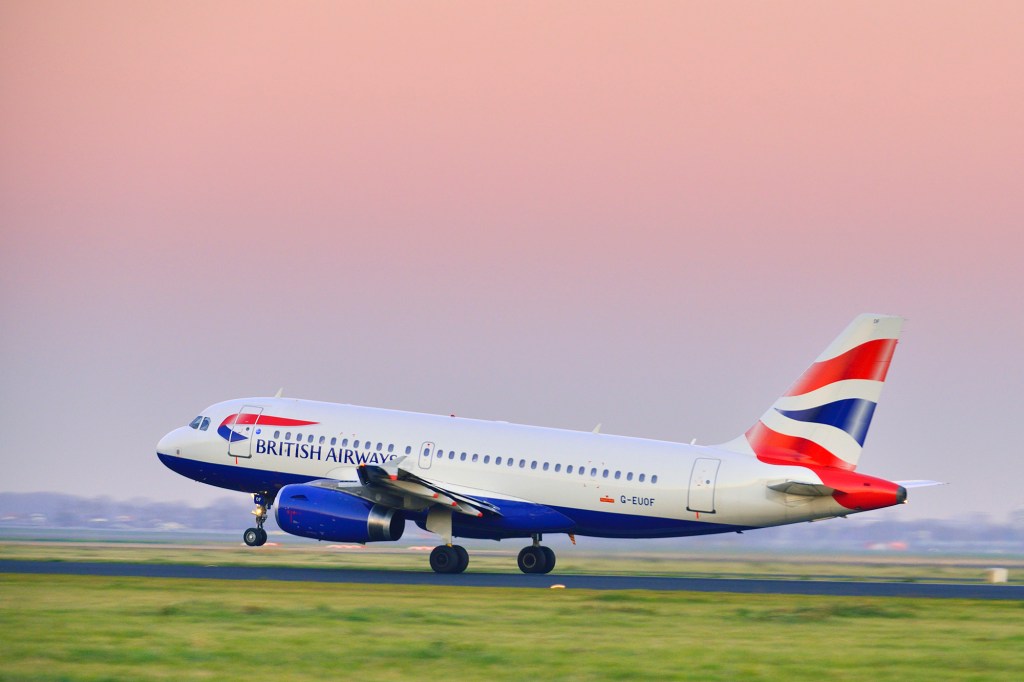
257 537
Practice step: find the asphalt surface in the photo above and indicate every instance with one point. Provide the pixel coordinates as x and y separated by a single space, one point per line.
470 579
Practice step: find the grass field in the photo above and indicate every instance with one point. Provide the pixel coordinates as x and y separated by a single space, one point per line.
94 628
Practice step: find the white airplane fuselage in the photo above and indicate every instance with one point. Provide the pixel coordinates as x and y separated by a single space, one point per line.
348 473
607 499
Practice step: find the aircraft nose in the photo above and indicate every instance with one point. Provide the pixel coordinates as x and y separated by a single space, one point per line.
170 444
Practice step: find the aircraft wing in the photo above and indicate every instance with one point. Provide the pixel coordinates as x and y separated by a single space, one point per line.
401 489
408 483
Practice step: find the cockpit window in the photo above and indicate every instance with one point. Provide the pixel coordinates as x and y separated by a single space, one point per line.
196 422
205 425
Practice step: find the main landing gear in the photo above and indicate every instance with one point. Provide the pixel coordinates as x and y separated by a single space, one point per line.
257 537
455 558
535 558
449 559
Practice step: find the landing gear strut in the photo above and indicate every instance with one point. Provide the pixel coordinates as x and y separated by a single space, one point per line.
535 558
449 559
257 537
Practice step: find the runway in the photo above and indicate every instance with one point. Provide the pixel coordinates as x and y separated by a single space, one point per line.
519 580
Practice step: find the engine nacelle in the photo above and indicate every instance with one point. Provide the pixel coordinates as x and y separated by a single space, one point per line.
323 514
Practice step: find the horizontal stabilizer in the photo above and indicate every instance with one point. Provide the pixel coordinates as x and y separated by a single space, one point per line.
805 489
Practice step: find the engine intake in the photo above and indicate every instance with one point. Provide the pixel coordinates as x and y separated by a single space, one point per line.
321 514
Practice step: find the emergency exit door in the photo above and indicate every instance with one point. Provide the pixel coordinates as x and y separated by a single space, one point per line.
702 485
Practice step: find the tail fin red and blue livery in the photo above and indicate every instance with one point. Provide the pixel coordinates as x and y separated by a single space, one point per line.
823 419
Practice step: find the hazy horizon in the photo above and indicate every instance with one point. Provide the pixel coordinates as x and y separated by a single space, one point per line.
650 216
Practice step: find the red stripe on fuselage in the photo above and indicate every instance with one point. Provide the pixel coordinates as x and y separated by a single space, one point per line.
264 420
868 361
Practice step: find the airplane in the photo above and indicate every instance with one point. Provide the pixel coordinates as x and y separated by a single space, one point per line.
344 473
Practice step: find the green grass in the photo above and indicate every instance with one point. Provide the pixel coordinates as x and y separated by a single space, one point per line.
95 628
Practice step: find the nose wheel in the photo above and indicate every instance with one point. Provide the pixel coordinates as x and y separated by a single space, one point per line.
254 537
257 537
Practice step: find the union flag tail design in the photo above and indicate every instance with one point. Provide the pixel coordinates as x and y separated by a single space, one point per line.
823 419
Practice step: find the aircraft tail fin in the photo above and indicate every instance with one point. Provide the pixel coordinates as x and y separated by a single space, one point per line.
823 419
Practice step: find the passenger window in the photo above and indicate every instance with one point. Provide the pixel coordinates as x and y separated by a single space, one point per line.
451 454
641 478
277 434
475 456
344 442
380 446
605 474
582 470
298 437
522 463
510 461
408 449
533 464
196 422
568 469
654 479
629 476
462 457
593 472
558 467
355 444
487 459
618 475
310 439
391 447
545 466
426 452
323 439
288 436
497 461
334 441
206 424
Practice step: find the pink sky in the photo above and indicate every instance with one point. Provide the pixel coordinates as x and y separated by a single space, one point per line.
653 216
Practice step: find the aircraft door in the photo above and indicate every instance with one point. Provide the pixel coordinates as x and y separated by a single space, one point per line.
241 431
702 485
426 455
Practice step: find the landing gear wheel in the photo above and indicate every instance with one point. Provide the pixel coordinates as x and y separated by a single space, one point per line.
447 559
257 537
549 554
252 537
533 560
463 558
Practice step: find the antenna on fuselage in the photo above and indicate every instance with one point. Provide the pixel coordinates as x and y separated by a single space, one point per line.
280 392
597 429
